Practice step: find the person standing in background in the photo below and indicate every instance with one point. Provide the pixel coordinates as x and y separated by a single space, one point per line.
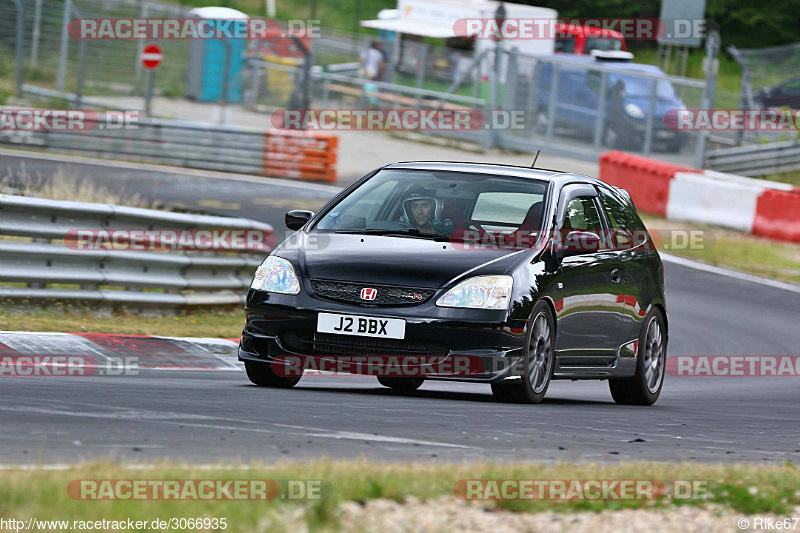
373 62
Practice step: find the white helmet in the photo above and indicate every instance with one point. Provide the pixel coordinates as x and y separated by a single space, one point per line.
420 194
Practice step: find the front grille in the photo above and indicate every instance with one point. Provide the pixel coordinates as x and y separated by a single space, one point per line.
330 344
386 295
310 343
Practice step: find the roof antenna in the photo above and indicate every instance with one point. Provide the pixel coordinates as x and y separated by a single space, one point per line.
535 158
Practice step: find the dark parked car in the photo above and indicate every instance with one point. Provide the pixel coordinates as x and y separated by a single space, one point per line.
786 94
529 274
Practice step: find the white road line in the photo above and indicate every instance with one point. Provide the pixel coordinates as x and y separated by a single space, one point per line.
324 433
729 273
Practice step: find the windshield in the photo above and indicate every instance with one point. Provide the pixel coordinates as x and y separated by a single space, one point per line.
604 44
641 87
435 203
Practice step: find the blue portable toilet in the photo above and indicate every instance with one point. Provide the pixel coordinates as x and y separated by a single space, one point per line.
207 58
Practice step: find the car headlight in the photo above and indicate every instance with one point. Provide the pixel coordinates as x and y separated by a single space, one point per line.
634 111
276 275
480 292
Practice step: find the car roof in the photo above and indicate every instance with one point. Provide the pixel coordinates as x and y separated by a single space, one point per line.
556 176
616 65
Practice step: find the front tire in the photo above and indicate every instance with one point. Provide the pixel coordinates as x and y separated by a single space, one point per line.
645 386
262 375
401 384
539 361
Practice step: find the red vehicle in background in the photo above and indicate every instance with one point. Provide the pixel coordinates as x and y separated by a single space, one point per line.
581 40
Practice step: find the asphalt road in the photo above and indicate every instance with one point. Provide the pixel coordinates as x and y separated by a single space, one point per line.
263 199
213 415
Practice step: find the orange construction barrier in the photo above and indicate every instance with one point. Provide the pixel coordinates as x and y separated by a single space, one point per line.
300 154
778 215
646 180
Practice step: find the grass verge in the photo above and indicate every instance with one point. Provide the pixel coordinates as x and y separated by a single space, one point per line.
43 494
792 178
222 323
734 249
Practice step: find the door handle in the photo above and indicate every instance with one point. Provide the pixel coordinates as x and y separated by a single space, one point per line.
615 275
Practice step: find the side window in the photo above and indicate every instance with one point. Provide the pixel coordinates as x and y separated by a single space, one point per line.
582 215
620 213
622 217
510 208
565 45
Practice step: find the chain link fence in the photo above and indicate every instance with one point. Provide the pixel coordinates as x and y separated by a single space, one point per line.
578 106
110 67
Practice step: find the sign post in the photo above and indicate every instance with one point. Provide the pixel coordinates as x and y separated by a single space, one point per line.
150 58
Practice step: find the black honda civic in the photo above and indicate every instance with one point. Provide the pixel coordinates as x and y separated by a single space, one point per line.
494 274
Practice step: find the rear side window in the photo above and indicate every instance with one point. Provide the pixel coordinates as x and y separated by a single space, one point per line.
506 207
626 226
620 213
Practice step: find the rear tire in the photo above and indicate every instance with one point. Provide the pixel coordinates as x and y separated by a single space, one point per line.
538 363
645 386
262 375
402 384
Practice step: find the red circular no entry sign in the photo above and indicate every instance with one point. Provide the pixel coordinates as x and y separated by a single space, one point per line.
151 56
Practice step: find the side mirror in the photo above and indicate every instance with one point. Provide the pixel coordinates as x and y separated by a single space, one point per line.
576 243
298 218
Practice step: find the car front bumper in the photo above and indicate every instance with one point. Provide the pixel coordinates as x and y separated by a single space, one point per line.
484 346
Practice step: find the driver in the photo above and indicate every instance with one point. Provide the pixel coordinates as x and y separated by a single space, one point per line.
420 210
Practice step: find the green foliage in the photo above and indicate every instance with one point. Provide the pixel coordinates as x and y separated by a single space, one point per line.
745 24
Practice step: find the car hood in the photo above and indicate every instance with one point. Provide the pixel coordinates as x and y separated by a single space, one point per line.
381 259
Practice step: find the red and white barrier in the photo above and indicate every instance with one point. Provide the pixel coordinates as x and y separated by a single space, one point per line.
761 207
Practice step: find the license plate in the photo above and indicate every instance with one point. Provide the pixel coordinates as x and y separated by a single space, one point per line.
363 326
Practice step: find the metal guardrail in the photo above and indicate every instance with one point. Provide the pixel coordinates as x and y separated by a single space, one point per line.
113 277
271 152
757 159
172 142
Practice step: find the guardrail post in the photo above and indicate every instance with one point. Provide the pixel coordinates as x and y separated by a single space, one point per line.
37 24
650 119
422 63
62 58
140 43
81 66
553 100
601 112
20 47
710 65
